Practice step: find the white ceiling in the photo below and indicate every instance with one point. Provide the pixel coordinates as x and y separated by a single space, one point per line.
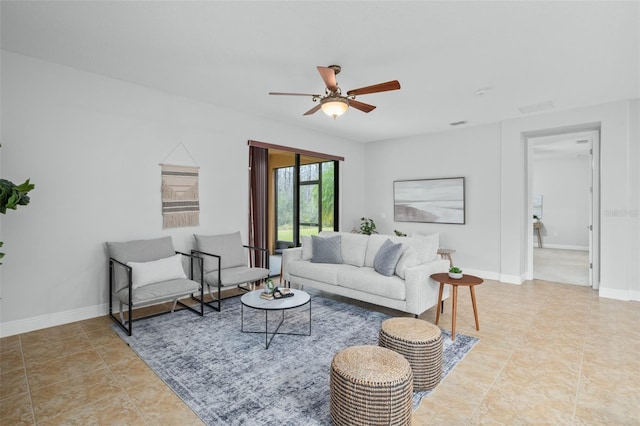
233 53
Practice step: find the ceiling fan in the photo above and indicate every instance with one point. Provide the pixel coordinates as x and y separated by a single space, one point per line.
333 102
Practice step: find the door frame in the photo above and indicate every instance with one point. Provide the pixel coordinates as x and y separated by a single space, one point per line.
594 240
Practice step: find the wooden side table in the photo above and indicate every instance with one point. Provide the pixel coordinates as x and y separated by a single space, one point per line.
536 227
466 280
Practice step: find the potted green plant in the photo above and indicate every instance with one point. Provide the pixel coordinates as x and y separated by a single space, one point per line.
367 226
269 286
455 273
399 233
12 196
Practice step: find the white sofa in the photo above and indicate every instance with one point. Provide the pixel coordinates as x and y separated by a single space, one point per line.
408 289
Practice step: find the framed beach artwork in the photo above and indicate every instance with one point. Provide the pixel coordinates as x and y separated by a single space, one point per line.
429 200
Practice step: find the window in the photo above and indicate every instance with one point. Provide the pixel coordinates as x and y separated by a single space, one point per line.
316 201
293 192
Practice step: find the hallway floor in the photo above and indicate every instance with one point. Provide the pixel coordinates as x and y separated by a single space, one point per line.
561 266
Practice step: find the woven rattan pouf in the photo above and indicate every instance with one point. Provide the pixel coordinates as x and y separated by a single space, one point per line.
420 343
370 385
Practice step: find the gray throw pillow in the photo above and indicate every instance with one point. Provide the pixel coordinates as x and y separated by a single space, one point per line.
326 250
387 258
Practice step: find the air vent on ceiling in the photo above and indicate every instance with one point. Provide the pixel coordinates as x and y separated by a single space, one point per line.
458 123
542 106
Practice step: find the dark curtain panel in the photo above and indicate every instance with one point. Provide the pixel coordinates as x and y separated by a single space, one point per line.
258 187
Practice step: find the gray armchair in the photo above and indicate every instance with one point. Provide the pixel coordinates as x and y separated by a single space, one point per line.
226 262
148 272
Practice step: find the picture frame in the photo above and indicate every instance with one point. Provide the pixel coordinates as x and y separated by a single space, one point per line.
439 200
537 206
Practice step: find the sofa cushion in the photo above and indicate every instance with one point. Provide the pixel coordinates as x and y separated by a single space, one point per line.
408 259
374 244
387 257
227 246
307 248
427 247
354 248
145 273
326 250
369 281
323 272
434 238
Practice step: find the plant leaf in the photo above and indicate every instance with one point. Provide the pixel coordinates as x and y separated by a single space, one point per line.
25 186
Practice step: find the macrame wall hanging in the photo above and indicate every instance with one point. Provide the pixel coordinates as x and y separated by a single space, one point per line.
180 199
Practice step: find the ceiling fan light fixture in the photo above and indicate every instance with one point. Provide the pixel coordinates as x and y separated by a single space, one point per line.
334 106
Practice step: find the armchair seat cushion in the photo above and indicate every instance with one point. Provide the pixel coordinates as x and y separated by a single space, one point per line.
236 275
158 292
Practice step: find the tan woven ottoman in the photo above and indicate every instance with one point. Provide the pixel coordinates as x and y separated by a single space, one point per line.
420 343
370 385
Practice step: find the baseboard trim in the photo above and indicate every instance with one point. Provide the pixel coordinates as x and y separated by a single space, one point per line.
496 276
625 295
512 279
564 247
26 325
486 275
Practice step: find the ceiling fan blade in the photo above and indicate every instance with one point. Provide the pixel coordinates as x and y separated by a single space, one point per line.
381 87
292 94
312 110
329 77
361 106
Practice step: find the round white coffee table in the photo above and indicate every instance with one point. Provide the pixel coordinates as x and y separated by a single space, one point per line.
254 301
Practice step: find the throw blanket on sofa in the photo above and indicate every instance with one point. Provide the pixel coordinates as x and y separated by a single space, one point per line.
180 201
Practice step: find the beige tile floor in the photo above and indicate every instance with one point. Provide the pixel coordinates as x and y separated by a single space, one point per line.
548 354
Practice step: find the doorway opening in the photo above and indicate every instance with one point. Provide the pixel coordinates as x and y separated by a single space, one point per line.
563 206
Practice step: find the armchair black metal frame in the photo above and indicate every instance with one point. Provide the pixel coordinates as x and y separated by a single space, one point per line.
198 254
120 321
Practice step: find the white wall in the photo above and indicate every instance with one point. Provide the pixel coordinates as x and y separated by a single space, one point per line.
92 146
564 185
492 158
472 153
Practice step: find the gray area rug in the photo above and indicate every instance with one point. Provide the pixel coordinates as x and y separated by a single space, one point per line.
228 378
